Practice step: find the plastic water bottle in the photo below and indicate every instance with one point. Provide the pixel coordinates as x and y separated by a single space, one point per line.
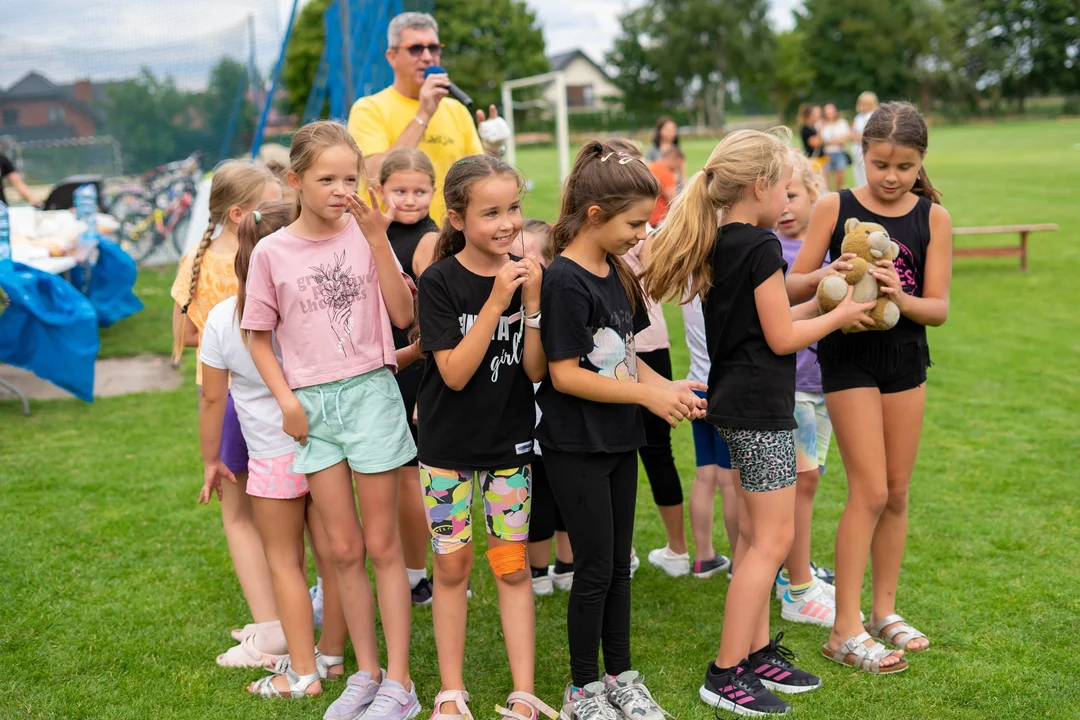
5 234
86 202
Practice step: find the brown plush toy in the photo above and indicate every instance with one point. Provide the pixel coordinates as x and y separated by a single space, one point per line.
870 242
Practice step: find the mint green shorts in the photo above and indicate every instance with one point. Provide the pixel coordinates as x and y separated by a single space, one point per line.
360 419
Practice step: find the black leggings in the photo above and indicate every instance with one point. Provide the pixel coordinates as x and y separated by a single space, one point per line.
596 493
656 455
545 518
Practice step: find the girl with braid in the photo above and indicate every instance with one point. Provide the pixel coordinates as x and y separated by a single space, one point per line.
205 278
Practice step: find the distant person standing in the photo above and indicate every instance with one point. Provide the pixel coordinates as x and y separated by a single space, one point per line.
9 173
809 117
835 135
666 135
665 169
415 111
865 107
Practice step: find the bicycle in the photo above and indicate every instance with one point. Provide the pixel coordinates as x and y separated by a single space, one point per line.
157 209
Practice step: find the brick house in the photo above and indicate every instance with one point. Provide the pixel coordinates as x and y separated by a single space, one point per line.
34 108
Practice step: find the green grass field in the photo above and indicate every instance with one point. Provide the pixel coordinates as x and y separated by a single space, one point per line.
118 591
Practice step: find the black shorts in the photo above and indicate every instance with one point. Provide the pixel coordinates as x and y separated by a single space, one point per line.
893 370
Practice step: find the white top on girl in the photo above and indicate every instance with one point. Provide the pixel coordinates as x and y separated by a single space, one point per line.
260 417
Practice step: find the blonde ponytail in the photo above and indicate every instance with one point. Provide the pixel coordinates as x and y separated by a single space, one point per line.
181 320
683 246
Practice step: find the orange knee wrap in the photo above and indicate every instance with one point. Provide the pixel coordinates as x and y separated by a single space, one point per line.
507 559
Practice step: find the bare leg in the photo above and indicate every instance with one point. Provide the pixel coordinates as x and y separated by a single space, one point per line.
728 482
518 616
378 494
332 491
281 525
771 529
415 539
798 560
246 550
448 613
334 629
903 419
702 499
672 515
857 424
539 553
563 551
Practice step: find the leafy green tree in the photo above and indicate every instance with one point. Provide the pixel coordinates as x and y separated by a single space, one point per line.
153 120
487 41
792 74
227 79
693 52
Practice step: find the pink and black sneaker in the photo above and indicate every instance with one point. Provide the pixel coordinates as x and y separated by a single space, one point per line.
739 690
773 664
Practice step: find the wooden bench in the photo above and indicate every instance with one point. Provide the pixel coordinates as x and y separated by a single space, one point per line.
997 251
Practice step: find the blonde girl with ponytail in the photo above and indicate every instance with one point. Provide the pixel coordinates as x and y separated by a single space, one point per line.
206 277
717 241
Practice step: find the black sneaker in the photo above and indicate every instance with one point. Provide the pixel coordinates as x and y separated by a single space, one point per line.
708 568
740 691
773 665
421 593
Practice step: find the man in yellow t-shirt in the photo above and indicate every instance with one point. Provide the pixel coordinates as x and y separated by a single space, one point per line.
414 111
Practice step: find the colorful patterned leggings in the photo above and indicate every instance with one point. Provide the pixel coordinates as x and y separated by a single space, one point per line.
448 496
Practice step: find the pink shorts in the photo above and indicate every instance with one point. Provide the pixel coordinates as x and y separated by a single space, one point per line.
275 479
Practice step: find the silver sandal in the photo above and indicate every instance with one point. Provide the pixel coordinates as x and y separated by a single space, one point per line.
866 658
322 662
298 685
907 632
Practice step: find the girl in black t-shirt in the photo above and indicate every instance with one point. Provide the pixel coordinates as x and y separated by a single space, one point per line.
875 383
591 426
407 178
752 335
479 313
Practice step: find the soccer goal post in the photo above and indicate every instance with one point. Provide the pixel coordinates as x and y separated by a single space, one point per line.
562 125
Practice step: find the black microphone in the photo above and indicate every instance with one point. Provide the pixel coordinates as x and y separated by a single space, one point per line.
457 92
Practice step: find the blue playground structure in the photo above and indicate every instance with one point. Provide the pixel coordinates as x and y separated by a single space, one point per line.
352 63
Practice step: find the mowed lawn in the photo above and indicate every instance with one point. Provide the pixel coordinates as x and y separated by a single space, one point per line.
117 591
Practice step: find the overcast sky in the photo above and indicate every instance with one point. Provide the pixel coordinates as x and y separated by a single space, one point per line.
68 39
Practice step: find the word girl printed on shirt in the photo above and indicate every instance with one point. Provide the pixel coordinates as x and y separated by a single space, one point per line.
502 334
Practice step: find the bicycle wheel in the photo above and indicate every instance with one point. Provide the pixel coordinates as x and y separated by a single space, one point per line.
137 233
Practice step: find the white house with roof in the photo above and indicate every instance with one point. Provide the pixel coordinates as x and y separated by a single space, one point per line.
588 86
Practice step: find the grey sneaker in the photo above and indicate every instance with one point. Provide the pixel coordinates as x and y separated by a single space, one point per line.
589 703
632 699
393 702
359 693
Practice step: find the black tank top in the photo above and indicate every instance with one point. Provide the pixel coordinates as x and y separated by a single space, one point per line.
403 240
912 233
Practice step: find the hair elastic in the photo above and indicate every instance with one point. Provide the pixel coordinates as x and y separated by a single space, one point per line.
257 215
465 161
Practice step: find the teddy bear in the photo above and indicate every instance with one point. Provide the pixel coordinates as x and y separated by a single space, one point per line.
869 242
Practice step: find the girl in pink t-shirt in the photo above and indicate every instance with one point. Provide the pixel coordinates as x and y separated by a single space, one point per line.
328 288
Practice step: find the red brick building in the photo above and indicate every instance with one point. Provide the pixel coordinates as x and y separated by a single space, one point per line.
36 109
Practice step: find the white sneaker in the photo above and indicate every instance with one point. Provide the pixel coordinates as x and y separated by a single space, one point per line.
635 563
815 607
542 584
673 564
561 581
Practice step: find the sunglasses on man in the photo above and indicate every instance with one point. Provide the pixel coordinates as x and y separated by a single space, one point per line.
418 50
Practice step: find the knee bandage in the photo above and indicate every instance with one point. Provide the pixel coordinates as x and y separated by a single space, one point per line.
507 559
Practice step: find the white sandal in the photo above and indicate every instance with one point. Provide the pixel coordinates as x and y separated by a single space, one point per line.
855 653
460 698
238 634
247 655
536 704
909 633
323 663
298 685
